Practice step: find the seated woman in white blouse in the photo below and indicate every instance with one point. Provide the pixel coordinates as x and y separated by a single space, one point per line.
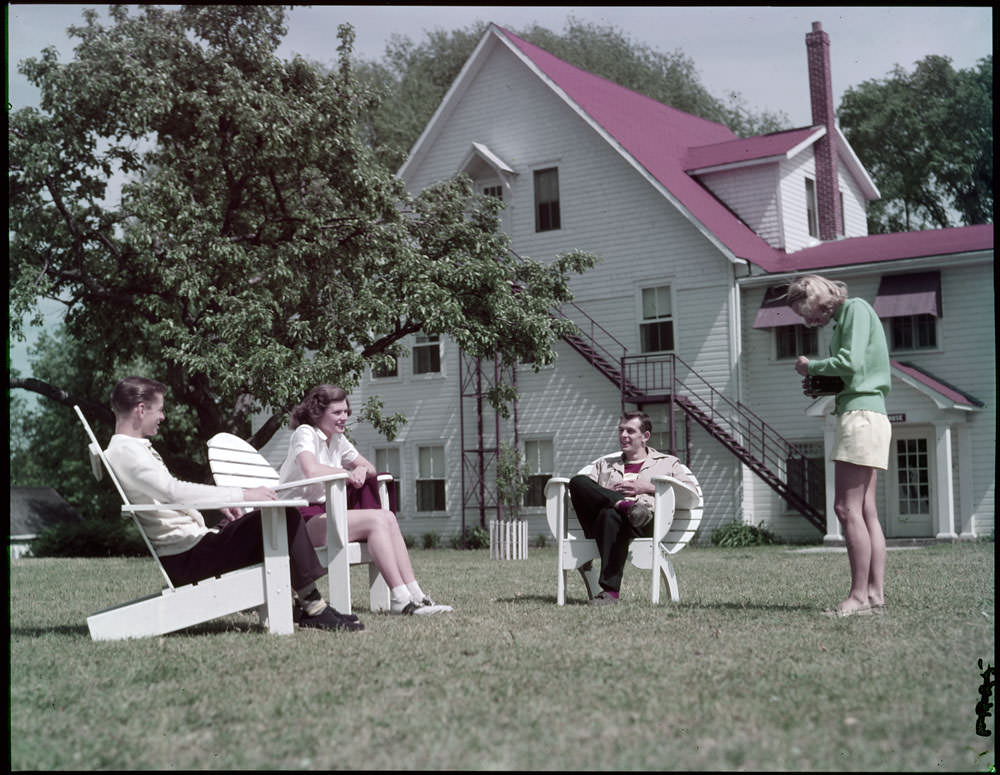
317 448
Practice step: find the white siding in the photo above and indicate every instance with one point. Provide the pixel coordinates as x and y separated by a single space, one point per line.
773 390
795 220
752 193
609 209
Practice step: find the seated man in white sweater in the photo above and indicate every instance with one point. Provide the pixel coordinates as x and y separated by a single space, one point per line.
187 548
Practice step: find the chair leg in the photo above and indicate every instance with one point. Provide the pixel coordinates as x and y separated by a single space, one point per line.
378 590
339 577
669 576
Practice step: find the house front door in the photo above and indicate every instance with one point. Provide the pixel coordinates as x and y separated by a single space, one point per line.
910 495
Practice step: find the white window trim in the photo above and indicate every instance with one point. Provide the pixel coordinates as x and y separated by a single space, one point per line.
639 320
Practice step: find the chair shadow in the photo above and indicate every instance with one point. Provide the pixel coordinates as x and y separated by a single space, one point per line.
204 629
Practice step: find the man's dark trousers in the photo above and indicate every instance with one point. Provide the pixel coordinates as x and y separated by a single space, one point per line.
595 509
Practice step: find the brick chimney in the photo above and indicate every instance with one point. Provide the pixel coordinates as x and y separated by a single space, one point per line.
829 216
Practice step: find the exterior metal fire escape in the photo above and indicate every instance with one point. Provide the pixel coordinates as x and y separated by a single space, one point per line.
643 380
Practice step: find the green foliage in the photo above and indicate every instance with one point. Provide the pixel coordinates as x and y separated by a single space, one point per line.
475 538
259 247
926 137
511 479
430 541
539 541
90 538
738 534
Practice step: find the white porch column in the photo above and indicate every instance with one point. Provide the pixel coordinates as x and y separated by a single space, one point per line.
943 483
833 534
964 440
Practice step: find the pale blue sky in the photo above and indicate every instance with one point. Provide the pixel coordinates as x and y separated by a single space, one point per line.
758 51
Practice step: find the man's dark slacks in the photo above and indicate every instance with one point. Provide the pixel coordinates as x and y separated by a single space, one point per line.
241 543
595 509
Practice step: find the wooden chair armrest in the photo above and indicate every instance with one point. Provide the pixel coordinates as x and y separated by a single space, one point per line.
557 481
312 480
687 495
294 503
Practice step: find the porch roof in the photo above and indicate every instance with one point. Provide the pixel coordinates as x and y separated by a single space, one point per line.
944 395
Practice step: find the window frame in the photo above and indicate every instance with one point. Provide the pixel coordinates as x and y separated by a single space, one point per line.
537 479
424 342
801 333
812 208
548 212
658 320
914 321
423 478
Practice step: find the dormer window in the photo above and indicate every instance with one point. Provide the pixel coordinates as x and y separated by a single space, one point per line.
812 210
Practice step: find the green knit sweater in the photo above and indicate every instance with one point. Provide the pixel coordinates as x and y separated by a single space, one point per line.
858 355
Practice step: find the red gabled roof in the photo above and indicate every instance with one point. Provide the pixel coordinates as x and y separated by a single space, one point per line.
658 138
667 142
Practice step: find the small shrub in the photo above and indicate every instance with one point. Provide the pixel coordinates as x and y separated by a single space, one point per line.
738 534
90 538
430 541
475 538
409 540
539 541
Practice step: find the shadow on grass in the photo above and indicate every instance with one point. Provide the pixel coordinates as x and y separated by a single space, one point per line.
200 630
732 606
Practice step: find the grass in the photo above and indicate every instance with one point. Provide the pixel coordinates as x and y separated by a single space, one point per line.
742 674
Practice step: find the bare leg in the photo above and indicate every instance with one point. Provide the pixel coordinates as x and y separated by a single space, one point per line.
854 504
385 543
876 569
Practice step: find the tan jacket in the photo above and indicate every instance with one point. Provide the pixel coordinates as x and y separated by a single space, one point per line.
609 471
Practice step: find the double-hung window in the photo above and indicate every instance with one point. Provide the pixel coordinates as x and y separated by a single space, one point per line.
812 209
796 340
430 479
427 354
913 332
547 215
656 331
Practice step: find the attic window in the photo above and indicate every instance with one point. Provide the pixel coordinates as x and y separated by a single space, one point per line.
811 208
547 216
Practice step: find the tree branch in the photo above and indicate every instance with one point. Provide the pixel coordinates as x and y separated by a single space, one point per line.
91 409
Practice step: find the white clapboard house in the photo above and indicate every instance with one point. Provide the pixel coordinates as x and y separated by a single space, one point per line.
695 229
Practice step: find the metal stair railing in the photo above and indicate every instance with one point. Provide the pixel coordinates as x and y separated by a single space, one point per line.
733 424
598 346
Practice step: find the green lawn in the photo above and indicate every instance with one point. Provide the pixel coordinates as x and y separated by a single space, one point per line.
743 674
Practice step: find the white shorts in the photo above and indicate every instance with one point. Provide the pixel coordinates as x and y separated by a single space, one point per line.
863 437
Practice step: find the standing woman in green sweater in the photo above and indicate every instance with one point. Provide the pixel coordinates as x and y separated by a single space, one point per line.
860 357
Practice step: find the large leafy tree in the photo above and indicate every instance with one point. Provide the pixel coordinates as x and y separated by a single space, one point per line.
258 246
927 138
417 75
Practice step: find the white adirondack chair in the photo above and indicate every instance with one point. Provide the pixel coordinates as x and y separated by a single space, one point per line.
676 517
265 586
235 463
